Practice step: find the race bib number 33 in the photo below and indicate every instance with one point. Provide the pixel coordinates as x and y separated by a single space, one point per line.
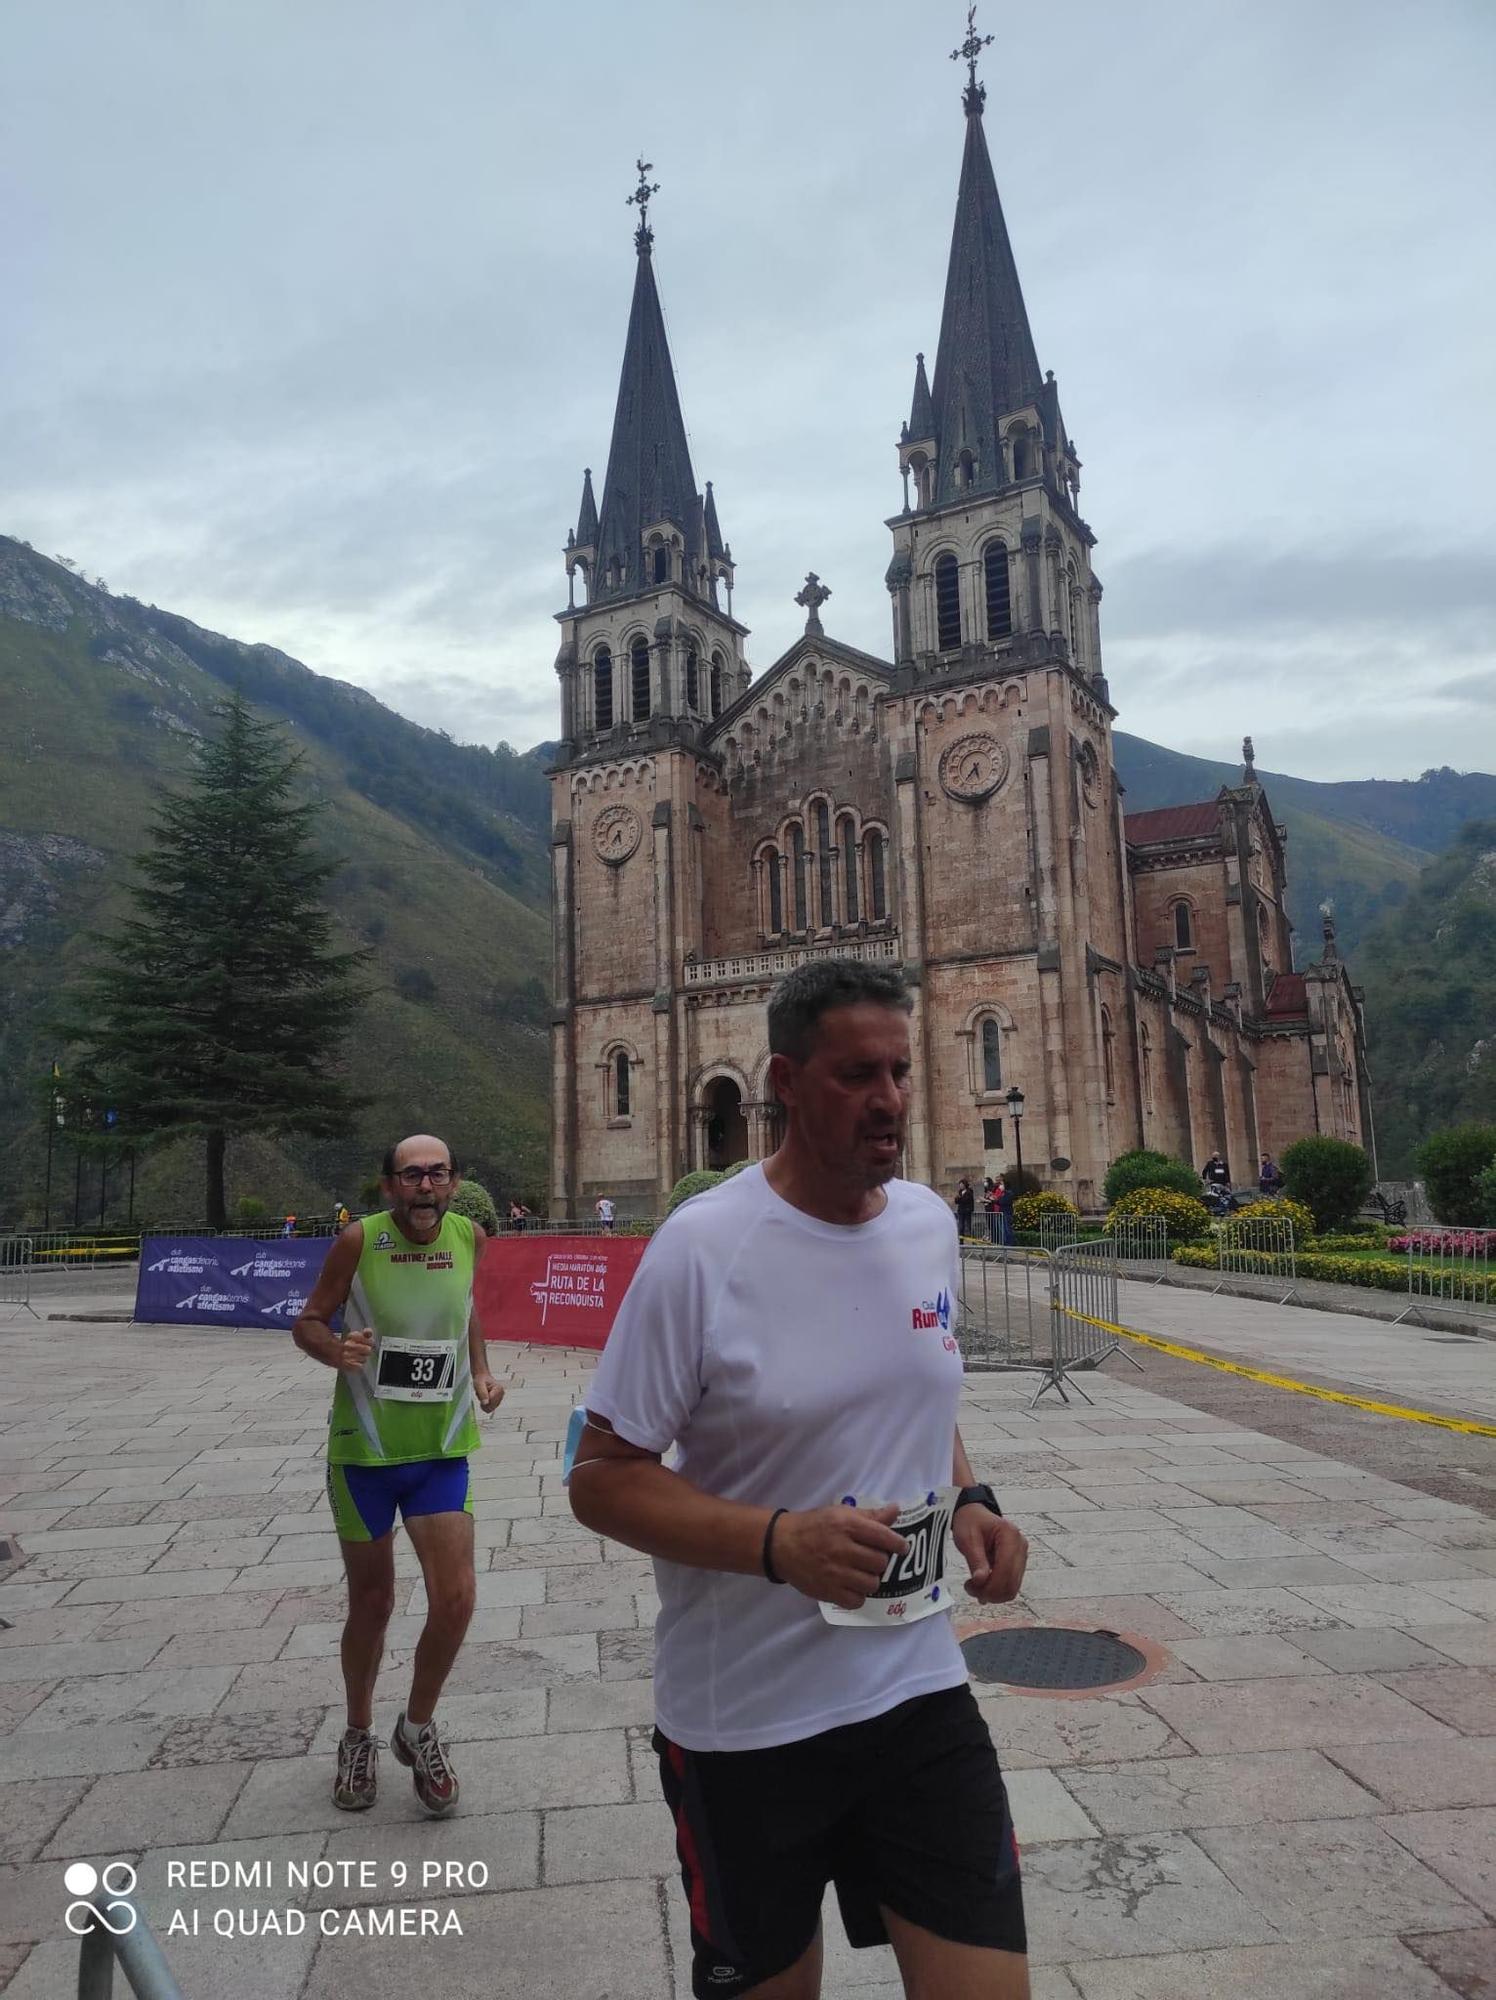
913 1584
415 1371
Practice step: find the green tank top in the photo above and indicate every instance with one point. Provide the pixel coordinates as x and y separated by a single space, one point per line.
417 1299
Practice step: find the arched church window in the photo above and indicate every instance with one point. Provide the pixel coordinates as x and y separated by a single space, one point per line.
621 1084
966 469
1108 1057
850 899
639 680
776 890
716 684
947 603
992 1056
661 563
797 870
877 877
824 863
1183 934
1022 458
693 681
999 597
602 688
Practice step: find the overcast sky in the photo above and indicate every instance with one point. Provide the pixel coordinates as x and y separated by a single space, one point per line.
313 313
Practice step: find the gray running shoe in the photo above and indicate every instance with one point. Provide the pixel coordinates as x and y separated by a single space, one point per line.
426 1756
357 1783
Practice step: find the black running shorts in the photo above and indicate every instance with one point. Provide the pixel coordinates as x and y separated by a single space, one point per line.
907 1810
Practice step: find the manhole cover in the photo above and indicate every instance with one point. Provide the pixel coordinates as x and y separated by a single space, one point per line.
1049 1656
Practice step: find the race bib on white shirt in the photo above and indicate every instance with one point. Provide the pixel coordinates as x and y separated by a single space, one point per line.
415 1371
913 1585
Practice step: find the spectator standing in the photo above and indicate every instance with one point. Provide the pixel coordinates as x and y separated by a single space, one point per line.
605 1212
1269 1176
1216 1173
1006 1198
965 1205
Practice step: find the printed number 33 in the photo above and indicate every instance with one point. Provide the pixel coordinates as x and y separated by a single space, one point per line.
423 1368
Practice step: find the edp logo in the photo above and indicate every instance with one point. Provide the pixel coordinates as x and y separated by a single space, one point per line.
117 1879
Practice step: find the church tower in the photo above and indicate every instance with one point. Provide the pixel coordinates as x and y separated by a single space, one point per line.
1010 856
650 654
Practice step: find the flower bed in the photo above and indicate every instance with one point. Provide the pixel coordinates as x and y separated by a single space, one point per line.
1381 1274
1446 1242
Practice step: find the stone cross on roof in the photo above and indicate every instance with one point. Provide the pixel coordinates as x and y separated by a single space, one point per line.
813 596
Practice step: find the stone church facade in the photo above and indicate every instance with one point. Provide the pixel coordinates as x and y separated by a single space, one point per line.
952 810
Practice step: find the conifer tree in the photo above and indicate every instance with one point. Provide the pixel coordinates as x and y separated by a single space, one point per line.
220 1003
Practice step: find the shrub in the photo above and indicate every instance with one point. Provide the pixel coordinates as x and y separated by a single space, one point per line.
1185 1216
698 1181
1278 1208
1145 1169
1452 1164
474 1201
1029 1207
1329 1176
1485 1188
252 1208
1444 1242
1350 1239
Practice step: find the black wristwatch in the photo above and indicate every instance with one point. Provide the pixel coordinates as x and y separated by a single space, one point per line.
982 1495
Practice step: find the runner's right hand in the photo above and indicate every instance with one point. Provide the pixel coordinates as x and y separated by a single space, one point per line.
354 1349
837 1555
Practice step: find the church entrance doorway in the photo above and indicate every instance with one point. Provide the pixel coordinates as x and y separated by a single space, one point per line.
726 1126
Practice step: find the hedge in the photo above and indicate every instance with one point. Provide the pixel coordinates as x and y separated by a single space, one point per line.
1029 1207
1143 1168
1378 1274
1278 1208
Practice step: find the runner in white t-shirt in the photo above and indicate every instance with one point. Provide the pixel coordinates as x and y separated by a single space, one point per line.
791 1332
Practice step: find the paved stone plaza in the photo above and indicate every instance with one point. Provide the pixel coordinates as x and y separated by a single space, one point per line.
1300 1806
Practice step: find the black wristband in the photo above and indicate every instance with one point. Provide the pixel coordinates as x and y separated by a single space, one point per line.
981 1496
769 1570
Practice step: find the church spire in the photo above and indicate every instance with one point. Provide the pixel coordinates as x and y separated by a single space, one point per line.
921 414
986 367
649 483
586 535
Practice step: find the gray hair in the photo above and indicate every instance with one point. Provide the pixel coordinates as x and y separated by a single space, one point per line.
814 988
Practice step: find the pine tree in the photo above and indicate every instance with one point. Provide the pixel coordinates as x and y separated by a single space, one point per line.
220 1004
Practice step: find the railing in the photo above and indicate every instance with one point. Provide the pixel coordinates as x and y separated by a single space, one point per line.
1449 1270
1035 1310
1143 1246
134 1945
1260 1247
103 1250
15 1273
553 1225
1057 1228
769 964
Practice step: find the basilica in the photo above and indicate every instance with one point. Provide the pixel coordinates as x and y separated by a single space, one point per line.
1085 979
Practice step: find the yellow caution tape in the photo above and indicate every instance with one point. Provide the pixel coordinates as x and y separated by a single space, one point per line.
1466 1426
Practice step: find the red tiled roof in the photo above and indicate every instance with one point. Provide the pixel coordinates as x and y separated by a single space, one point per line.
1173 823
1288 995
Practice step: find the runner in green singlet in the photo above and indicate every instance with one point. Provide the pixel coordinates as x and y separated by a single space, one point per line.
412 1375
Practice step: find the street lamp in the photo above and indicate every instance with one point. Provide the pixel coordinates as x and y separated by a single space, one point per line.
1015 1112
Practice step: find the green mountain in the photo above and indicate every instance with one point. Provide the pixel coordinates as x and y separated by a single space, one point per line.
1430 976
443 876
1359 843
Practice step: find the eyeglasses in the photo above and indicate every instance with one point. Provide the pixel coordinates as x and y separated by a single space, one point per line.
412 1177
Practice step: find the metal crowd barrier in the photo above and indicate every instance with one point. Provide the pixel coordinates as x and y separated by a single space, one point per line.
1032 1310
1057 1229
1002 1313
1083 1290
1451 1270
1260 1247
15 1274
140 1956
1143 1246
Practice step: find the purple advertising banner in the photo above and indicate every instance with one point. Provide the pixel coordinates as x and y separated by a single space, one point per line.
227 1280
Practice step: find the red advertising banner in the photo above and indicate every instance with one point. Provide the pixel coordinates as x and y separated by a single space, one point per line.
563 1290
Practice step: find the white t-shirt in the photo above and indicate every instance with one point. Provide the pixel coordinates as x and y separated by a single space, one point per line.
794 1362
605 1210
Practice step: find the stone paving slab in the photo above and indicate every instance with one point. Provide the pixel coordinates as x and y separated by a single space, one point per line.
1312 1763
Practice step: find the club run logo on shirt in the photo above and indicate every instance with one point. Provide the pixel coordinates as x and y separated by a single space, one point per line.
440 1260
931 1315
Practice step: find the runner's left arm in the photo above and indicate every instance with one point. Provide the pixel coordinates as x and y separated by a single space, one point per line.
488 1392
996 1552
